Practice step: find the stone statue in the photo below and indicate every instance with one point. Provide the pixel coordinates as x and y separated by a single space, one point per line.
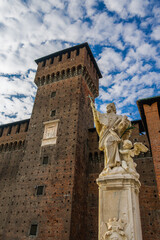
127 152
112 129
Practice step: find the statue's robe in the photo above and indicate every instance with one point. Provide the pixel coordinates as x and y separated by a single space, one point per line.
108 138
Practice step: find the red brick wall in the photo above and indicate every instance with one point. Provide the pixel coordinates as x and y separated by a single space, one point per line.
153 123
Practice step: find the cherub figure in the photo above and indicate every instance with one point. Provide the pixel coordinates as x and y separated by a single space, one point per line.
130 151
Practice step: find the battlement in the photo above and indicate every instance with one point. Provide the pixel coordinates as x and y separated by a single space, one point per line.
70 62
13 134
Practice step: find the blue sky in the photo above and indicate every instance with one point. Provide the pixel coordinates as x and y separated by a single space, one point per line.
124 36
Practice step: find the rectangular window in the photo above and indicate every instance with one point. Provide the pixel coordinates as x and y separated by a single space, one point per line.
69 55
44 63
45 160
40 190
60 58
26 128
77 53
53 113
33 229
53 94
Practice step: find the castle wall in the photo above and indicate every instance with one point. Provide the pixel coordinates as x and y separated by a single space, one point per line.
12 147
153 123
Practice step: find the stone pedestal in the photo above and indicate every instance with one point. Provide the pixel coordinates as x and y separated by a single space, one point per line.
119 215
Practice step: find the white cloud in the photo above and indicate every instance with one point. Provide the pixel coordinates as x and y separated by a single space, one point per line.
75 9
137 7
132 35
16 97
146 50
118 6
156 12
156 33
109 60
127 8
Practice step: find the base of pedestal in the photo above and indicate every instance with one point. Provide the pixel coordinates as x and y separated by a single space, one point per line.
119 215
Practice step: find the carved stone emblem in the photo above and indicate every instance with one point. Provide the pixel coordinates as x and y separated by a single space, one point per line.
115 230
50 132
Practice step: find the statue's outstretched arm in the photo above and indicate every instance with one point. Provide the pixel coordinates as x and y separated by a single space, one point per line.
96 117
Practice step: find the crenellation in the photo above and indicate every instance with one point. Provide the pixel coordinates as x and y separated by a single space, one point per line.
76 57
65 57
13 133
64 74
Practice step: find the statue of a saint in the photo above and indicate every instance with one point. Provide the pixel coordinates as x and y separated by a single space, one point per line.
112 129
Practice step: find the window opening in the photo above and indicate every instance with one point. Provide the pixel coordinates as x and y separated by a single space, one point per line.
1 132
40 190
69 55
60 58
53 94
44 63
52 60
45 160
53 113
26 128
9 130
18 128
33 229
77 53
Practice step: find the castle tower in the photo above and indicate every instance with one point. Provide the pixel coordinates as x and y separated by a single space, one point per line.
49 201
150 113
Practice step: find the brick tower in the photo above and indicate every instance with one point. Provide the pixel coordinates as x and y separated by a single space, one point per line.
49 198
150 113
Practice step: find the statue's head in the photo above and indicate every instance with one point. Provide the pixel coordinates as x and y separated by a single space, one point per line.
111 108
127 144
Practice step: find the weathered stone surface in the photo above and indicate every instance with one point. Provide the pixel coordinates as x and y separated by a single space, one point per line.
119 215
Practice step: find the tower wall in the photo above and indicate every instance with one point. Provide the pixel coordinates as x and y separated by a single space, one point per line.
153 123
62 99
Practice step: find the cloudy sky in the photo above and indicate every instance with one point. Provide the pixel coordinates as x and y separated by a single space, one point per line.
124 36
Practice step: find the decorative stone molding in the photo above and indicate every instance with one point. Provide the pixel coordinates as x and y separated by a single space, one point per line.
115 230
50 133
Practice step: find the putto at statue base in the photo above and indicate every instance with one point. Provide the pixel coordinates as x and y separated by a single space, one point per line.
119 215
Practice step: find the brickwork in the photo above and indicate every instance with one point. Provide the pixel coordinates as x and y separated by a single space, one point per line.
13 135
153 123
